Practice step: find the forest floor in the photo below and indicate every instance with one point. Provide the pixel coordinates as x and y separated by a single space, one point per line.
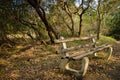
39 62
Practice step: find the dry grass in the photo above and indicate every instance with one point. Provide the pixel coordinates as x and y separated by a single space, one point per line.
43 64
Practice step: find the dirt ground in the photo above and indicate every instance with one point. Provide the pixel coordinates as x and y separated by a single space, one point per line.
40 62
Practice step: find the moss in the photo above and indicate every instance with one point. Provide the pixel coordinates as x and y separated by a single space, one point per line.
106 40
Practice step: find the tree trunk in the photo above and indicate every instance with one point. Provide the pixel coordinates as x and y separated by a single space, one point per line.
98 28
72 25
98 20
71 18
41 13
81 15
80 24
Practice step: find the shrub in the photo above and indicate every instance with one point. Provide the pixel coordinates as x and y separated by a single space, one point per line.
106 40
115 25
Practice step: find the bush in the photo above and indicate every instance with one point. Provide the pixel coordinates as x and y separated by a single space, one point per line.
106 40
115 25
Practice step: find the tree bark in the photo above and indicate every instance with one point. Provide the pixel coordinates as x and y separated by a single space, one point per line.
36 5
98 20
80 24
81 15
67 10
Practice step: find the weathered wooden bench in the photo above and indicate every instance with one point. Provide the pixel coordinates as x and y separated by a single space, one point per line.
80 55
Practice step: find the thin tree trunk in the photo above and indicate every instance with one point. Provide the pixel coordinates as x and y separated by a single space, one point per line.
80 24
98 28
72 25
98 20
81 15
71 18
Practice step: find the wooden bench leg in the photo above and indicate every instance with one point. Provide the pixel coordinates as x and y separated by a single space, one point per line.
110 53
63 64
85 63
64 46
82 72
70 69
95 54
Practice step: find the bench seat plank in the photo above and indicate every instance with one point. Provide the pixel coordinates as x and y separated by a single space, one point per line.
79 55
74 48
73 39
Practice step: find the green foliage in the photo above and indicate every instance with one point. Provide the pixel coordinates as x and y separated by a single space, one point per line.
19 19
115 25
106 40
9 13
12 15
